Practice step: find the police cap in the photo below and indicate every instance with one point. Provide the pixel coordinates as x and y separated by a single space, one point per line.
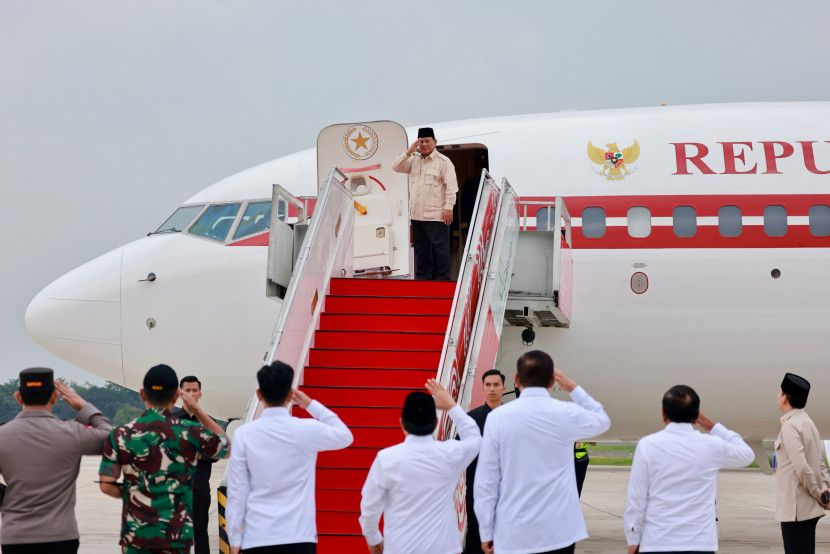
37 379
161 378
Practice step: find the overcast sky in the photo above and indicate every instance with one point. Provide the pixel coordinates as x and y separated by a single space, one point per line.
113 113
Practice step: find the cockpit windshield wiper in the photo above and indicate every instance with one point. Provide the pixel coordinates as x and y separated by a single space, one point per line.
170 230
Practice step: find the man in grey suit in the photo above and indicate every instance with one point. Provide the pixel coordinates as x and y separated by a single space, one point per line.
40 457
801 477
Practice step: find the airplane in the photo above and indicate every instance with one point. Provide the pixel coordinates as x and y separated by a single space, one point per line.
700 241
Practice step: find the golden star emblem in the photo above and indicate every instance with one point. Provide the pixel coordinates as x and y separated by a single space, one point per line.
360 141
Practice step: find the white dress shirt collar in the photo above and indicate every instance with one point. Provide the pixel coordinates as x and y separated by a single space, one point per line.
534 392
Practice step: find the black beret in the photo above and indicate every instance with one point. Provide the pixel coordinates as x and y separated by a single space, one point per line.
419 409
796 387
37 378
161 378
426 132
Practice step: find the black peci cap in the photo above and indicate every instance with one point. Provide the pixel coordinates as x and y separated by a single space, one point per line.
419 409
796 387
161 378
426 132
37 379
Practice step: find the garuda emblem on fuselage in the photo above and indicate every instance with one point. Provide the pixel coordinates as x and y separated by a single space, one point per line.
613 159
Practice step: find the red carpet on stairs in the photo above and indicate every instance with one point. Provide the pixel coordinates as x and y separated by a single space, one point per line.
378 341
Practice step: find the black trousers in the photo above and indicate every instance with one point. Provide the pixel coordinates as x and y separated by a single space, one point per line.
472 544
799 536
432 250
296 548
58 547
581 467
201 507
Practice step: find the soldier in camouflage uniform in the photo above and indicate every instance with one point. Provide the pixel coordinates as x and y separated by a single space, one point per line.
157 454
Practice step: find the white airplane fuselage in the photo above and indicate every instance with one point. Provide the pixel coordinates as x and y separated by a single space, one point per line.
727 315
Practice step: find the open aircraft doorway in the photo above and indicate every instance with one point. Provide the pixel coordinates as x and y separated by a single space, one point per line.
469 160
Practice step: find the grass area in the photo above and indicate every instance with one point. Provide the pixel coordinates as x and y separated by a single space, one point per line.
609 461
611 448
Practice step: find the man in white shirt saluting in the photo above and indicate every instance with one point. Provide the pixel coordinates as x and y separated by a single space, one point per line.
525 485
412 483
270 505
673 483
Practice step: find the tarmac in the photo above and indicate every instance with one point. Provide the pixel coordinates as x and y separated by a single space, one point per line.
746 512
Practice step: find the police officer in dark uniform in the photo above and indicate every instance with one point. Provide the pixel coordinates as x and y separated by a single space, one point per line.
201 481
40 457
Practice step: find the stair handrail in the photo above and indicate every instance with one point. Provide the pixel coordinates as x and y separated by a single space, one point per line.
492 301
467 292
318 261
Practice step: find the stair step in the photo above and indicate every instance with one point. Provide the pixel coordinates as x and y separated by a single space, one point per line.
349 457
403 359
384 322
392 287
362 340
338 523
363 416
340 543
336 397
341 478
376 437
331 500
354 377
387 305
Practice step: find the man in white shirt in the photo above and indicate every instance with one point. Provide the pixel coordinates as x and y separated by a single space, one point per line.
271 505
525 484
412 483
673 483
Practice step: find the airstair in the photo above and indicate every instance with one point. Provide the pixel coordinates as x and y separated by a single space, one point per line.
361 340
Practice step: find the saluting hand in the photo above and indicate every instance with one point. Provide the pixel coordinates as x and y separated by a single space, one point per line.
704 422
301 399
443 400
189 402
562 380
412 150
72 398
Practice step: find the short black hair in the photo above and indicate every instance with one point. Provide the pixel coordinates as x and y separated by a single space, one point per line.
190 379
490 372
420 430
275 382
681 404
37 397
535 369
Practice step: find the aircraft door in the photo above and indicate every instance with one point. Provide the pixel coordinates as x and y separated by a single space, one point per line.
469 160
365 153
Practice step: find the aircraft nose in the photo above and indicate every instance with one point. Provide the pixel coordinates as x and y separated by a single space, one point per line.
78 316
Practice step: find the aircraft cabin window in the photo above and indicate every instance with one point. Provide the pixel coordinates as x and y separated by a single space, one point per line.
639 222
542 223
215 223
684 221
820 220
730 223
257 218
180 219
775 221
593 222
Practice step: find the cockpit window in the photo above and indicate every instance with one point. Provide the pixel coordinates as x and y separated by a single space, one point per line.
215 223
180 219
257 218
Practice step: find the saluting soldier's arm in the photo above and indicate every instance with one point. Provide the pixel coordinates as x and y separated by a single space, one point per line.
192 406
